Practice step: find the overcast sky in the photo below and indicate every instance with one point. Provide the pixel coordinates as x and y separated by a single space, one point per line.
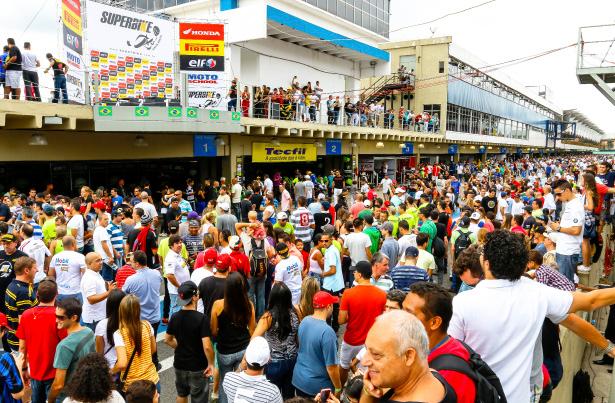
499 31
508 29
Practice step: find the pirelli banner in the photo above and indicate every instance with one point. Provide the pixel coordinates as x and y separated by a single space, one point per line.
267 152
201 47
72 49
132 53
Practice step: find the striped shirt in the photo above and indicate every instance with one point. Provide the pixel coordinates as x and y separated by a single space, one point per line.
240 387
38 230
302 219
19 297
404 276
11 380
142 367
117 237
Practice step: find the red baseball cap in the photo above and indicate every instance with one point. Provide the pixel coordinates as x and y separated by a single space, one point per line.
3 321
100 205
211 256
223 262
323 299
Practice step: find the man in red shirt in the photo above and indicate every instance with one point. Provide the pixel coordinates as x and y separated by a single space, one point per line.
359 308
240 261
124 272
433 306
38 336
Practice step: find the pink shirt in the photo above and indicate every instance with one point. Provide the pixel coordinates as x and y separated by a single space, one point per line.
285 200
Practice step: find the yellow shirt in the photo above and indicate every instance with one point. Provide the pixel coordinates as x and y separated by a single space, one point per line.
142 366
49 230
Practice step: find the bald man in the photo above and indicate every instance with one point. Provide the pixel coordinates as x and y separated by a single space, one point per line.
148 207
94 291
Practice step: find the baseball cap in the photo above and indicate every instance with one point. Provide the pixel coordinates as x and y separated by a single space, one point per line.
464 222
173 225
224 206
282 216
3 321
258 353
475 216
321 196
211 255
48 208
223 262
367 203
328 229
387 226
116 212
193 223
185 292
234 242
307 177
282 249
540 229
552 236
8 238
323 299
399 190
412 251
99 205
193 215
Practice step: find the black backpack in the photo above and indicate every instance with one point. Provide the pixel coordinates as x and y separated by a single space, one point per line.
488 386
462 242
258 260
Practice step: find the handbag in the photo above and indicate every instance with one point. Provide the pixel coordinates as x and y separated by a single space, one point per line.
121 382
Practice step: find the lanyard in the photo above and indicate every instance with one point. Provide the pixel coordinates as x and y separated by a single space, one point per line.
439 344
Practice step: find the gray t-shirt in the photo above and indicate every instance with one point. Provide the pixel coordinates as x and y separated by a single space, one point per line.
390 248
226 221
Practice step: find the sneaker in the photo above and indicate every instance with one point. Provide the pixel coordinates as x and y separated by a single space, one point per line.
583 269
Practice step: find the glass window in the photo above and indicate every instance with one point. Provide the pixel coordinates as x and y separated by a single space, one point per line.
440 67
409 61
452 118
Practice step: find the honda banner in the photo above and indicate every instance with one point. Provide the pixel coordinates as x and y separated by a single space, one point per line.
132 53
72 49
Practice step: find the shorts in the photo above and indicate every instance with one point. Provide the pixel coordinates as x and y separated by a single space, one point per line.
193 384
347 353
13 78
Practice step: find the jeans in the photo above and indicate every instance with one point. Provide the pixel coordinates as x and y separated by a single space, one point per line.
232 104
59 85
227 363
193 384
237 211
567 264
77 296
166 303
332 321
91 326
174 307
257 294
107 272
280 373
40 390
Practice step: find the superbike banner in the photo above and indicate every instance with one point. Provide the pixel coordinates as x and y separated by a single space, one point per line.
201 47
207 90
72 49
132 53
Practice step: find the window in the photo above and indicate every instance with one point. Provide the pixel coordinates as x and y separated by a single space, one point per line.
441 67
408 61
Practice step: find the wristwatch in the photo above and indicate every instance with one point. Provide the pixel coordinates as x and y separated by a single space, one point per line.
609 347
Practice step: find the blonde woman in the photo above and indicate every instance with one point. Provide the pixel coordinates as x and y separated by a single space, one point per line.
309 287
208 226
134 341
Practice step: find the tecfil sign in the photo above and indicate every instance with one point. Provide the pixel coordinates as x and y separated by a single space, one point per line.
201 47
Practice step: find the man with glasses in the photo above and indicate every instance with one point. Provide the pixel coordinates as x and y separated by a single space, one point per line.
569 229
94 291
79 343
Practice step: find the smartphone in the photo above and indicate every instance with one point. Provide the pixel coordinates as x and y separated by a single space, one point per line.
324 395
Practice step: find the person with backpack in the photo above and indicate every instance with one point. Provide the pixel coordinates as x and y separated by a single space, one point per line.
260 253
461 239
433 306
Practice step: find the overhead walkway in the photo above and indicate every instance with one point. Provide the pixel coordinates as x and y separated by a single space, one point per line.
596 58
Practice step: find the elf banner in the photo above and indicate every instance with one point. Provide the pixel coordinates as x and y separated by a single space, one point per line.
132 53
72 49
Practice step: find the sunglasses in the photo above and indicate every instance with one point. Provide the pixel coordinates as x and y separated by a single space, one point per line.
61 317
558 193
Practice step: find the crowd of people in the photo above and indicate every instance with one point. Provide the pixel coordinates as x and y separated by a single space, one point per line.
449 286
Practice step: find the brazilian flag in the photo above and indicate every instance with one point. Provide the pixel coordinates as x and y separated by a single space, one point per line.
174 112
105 111
142 111
214 115
191 113
236 116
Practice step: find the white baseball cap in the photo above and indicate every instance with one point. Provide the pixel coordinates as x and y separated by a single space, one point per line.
367 203
399 190
475 216
224 206
282 216
258 353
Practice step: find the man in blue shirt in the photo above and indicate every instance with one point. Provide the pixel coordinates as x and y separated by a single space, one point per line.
317 364
145 284
408 273
116 200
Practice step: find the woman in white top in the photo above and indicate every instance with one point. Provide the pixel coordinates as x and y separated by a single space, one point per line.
91 382
106 327
316 260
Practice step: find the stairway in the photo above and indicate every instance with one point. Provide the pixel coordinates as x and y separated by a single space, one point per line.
386 85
